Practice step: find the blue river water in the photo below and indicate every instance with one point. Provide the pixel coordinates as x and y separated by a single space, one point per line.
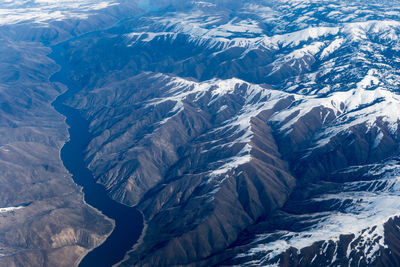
128 220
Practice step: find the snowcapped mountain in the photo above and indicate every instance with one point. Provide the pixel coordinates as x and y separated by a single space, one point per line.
51 21
272 128
253 133
46 11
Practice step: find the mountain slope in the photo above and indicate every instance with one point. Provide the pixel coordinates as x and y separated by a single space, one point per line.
44 220
187 129
262 133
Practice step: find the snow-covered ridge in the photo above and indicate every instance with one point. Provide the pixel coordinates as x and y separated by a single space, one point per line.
297 51
369 210
360 30
226 33
44 11
354 81
180 89
332 47
353 107
345 46
361 105
272 26
225 39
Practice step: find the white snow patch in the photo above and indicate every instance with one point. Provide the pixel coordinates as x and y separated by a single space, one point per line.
364 218
351 107
377 140
8 209
332 47
45 11
297 56
295 38
360 30
241 158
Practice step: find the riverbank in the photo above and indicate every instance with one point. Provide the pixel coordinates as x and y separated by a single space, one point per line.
128 220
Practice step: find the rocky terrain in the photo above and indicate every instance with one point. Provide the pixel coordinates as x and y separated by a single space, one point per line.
44 220
247 133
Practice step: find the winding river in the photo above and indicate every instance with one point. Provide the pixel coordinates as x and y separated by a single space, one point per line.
128 220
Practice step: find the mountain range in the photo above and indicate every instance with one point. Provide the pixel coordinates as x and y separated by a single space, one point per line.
261 133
